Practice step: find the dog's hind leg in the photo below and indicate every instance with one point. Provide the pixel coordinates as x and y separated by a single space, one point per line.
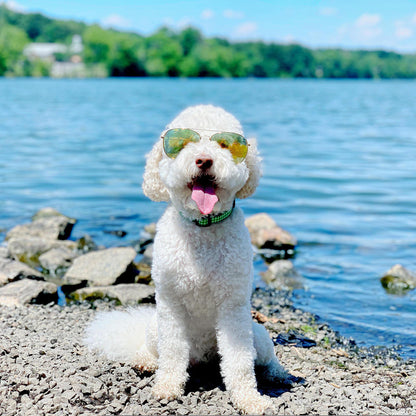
266 358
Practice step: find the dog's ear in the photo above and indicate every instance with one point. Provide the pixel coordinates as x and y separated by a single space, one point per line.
253 162
153 186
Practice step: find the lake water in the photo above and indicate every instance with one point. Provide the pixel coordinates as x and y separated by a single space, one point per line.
339 173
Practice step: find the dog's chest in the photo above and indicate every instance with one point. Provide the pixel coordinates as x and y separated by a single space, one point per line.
202 262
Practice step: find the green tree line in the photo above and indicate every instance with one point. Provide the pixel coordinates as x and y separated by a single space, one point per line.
186 53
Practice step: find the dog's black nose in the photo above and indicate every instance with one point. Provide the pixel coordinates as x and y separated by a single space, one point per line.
204 162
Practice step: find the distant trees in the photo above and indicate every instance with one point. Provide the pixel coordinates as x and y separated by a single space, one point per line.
40 28
161 54
117 51
186 53
12 42
364 64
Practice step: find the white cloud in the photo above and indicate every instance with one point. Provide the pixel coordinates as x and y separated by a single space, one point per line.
246 29
116 21
168 21
343 30
365 31
233 14
367 20
207 14
14 6
289 39
403 31
367 26
414 19
328 11
184 22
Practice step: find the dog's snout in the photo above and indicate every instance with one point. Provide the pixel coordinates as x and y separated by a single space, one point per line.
204 162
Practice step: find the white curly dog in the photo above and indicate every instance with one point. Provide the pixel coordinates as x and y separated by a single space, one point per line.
202 265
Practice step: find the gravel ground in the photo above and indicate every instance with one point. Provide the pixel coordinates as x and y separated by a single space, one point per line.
45 369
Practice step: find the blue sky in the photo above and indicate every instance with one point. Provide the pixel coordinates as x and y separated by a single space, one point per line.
368 24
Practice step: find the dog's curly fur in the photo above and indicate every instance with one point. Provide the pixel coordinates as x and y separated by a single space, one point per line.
203 276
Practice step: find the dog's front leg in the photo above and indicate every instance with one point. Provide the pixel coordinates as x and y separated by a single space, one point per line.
236 348
173 350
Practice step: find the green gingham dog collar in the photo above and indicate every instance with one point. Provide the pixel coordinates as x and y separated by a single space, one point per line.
208 220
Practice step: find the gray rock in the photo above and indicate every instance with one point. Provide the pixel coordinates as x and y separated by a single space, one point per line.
398 280
259 221
148 254
28 249
125 294
49 224
57 260
151 229
144 271
265 233
3 279
46 213
15 270
86 244
103 267
282 274
27 291
4 252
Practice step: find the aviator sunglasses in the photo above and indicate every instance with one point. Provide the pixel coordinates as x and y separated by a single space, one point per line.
174 140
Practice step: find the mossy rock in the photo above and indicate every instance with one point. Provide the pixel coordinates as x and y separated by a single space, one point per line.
143 272
122 294
398 280
395 285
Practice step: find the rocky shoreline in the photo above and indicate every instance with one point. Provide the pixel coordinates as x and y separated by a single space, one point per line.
45 368
39 264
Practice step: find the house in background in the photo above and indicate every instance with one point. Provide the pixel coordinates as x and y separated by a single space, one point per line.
44 51
66 61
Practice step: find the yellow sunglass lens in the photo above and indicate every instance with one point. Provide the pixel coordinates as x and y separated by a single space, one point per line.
235 143
175 140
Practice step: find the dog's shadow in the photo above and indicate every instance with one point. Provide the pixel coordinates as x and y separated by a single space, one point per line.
275 389
207 376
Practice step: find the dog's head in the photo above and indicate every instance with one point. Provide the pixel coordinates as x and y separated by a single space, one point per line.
202 178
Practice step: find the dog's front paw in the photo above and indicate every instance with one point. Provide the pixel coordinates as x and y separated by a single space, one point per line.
251 402
167 389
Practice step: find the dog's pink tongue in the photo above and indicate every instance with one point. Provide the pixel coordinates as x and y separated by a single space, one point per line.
205 198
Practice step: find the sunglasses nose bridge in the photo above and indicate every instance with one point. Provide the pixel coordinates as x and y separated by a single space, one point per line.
205 135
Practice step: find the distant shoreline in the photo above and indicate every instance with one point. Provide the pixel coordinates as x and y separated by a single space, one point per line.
152 78
40 46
